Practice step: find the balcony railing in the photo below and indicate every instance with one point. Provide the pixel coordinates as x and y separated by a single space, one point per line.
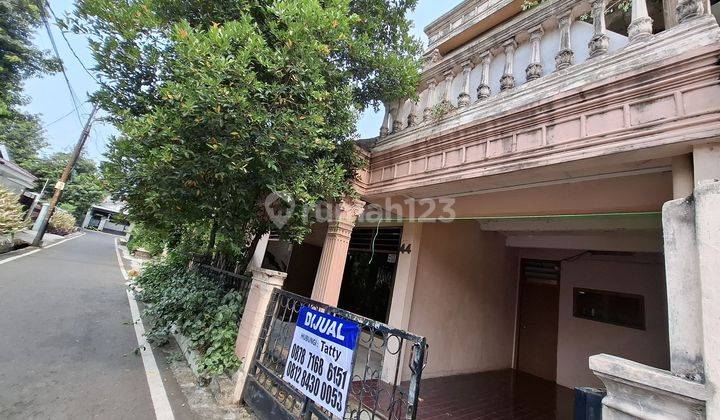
488 66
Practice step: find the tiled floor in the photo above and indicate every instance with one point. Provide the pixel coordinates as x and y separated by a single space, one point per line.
504 394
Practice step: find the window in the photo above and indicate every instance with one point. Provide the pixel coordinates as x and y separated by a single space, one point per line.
621 309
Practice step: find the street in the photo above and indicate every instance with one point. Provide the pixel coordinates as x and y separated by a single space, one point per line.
68 341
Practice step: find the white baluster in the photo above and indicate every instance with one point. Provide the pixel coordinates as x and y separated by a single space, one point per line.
534 70
483 91
464 97
641 26
564 57
430 102
600 42
507 81
385 128
689 9
412 119
449 75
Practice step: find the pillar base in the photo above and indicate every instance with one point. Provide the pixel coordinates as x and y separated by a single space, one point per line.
639 391
263 283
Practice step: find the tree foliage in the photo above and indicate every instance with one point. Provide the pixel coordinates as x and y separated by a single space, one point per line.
84 188
19 60
23 136
224 102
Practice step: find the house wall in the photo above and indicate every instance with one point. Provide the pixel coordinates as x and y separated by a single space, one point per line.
11 184
578 338
462 302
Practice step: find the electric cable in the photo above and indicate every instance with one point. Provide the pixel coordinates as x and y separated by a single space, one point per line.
73 97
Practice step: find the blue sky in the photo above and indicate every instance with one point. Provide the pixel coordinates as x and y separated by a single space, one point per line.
51 100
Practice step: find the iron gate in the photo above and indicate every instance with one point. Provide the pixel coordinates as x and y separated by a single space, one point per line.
373 395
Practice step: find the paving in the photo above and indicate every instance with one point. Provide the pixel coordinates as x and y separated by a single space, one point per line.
67 339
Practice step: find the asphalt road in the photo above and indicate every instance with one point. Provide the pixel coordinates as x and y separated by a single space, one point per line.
67 341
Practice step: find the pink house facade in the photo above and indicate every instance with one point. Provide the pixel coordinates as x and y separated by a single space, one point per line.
545 205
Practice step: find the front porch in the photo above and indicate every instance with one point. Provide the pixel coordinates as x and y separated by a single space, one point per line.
502 394
517 292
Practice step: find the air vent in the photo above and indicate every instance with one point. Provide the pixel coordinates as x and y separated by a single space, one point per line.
541 272
387 240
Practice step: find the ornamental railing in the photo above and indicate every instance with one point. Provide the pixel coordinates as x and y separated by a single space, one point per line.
466 76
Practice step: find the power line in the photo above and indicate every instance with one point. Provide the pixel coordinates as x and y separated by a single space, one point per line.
57 120
62 65
62 32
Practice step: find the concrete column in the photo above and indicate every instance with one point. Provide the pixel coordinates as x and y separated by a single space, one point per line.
402 296
706 162
86 220
261 289
41 216
260 249
101 226
328 279
682 172
129 231
707 228
683 289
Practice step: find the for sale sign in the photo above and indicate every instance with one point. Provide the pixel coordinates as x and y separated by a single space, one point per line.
320 359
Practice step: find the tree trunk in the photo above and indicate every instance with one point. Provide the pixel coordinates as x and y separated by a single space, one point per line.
213 236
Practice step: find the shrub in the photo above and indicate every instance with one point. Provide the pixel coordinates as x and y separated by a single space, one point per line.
201 309
11 214
62 223
148 239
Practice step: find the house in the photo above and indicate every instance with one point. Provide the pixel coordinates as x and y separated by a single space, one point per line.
540 231
12 176
107 217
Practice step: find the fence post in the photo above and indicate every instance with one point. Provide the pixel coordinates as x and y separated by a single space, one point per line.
263 283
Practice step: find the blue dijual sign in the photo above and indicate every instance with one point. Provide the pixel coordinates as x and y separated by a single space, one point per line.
320 360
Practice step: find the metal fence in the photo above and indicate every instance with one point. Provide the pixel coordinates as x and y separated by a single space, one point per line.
377 391
228 279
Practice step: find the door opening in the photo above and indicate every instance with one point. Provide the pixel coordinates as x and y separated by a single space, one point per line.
538 307
370 272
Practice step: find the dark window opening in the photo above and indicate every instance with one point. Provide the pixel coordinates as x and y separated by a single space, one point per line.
369 276
625 310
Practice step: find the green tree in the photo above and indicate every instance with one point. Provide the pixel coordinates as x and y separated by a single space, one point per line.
24 137
223 103
84 188
20 59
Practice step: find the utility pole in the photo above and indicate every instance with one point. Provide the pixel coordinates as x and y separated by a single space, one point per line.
36 200
60 186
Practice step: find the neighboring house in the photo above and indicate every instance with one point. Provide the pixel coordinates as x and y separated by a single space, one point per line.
104 217
551 144
12 176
